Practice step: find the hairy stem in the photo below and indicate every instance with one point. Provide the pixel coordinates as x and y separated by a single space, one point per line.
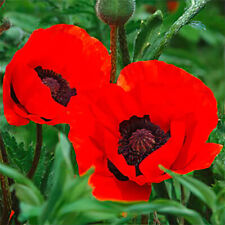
3 150
161 191
37 153
156 219
6 197
194 9
123 46
113 49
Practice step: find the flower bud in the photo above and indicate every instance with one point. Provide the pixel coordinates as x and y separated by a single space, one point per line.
115 12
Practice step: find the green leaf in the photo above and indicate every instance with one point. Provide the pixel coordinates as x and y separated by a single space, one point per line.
19 156
149 30
43 169
167 207
25 21
219 214
90 210
161 43
30 213
87 204
198 188
26 195
63 176
21 179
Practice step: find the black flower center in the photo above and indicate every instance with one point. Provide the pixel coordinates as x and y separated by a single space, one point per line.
59 87
139 138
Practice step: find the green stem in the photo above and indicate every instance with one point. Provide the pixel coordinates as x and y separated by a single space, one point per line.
144 219
156 219
6 197
194 9
161 191
113 49
123 46
37 153
206 176
182 202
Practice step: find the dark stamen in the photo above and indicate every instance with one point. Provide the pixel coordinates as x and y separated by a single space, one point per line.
59 87
139 138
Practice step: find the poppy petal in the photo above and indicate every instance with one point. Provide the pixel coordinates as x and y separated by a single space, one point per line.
202 160
165 155
107 187
168 93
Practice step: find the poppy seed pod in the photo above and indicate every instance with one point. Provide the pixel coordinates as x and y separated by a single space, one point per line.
115 12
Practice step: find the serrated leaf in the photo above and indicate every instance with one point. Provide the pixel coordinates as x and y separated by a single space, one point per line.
149 29
41 174
19 157
197 187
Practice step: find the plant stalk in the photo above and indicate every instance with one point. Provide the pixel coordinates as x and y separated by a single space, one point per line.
194 9
113 49
156 219
37 154
4 186
161 191
206 176
123 46
144 219
182 202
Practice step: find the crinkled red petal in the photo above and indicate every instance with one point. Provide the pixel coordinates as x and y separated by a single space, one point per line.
107 187
205 155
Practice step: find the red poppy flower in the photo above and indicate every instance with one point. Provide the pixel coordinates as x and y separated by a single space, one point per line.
57 66
161 115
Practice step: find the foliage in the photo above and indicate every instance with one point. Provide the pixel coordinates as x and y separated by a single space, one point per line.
56 194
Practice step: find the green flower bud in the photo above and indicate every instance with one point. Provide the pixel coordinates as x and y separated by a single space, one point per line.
115 12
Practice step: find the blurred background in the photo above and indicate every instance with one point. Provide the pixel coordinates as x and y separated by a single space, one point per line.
198 48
